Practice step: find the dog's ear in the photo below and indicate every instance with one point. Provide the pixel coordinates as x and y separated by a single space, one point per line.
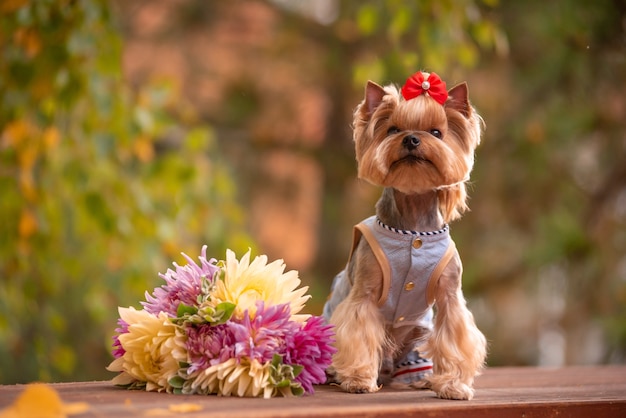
458 99
373 96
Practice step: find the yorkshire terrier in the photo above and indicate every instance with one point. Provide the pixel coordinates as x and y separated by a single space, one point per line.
418 144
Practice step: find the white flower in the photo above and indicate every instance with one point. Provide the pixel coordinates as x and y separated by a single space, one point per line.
152 350
245 283
234 378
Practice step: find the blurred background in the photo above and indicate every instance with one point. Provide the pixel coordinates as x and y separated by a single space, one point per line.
133 130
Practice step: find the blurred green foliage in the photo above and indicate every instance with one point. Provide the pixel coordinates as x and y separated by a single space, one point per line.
403 36
100 188
102 185
551 179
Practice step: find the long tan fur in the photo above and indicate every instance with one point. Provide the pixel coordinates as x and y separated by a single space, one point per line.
456 346
356 365
422 196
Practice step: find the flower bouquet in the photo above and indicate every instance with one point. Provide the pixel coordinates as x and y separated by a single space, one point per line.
230 328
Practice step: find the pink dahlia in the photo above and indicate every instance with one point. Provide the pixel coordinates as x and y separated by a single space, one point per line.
264 335
183 285
311 347
208 345
118 350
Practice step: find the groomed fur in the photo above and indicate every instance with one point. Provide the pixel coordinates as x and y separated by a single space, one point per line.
456 346
356 365
464 130
424 187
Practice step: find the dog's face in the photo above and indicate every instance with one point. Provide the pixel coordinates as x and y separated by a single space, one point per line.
417 145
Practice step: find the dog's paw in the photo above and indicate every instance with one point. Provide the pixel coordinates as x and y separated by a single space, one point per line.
452 390
358 385
420 385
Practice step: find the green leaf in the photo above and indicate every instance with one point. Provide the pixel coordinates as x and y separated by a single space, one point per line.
297 369
283 383
297 390
277 360
227 309
176 382
183 310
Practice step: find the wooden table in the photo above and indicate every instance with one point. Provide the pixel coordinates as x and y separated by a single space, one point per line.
595 391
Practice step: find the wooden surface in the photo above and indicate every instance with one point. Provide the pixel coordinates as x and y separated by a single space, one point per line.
595 392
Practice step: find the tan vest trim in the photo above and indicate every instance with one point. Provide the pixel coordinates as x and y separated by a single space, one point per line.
362 230
436 274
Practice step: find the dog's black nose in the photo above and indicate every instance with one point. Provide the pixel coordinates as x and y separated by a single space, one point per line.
411 142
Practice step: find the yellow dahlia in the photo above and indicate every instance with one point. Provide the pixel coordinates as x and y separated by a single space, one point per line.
152 350
244 283
238 378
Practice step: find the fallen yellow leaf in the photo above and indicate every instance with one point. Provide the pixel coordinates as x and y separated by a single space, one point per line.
39 400
185 407
174 407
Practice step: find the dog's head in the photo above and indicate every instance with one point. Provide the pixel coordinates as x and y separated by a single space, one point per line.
419 139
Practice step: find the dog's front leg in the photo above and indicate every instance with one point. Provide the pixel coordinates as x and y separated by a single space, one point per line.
360 336
456 346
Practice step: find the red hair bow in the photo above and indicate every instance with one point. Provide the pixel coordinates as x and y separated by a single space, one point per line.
434 86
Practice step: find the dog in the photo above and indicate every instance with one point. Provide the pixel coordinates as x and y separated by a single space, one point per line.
418 143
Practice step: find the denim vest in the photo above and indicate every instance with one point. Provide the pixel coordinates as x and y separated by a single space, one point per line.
409 263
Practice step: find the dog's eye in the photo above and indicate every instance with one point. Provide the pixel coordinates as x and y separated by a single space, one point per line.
393 130
436 133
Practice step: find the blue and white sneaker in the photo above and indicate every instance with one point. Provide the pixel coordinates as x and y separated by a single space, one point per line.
411 371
